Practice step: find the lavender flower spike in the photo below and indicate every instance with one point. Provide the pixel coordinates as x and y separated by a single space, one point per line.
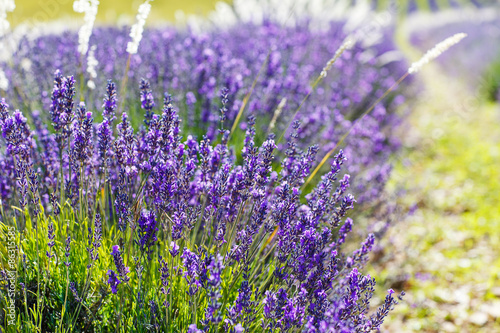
120 266
113 281
147 229
147 101
109 102
68 250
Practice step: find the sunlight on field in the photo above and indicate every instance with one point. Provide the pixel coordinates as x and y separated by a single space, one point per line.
109 11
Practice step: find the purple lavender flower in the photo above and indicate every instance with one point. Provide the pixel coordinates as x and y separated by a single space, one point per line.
109 103
35 198
147 101
104 141
122 202
164 276
344 230
147 229
82 133
223 110
243 309
61 109
22 183
274 310
54 203
97 236
193 329
17 135
125 147
50 236
57 106
169 126
178 223
113 281
68 250
174 249
154 314
72 287
213 286
4 110
377 319
360 255
191 262
120 266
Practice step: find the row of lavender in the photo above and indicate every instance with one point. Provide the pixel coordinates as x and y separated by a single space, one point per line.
197 240
130 217
195 67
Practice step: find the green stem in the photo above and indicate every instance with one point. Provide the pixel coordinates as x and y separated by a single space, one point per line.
86 286
124 85
63 310
38 278
24 292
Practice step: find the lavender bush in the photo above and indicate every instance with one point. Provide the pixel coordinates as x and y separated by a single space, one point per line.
119 222
152 230
194 67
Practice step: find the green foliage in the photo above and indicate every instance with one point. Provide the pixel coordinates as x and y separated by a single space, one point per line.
51 306
491 81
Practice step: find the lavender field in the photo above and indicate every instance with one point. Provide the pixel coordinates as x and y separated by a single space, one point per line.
249 166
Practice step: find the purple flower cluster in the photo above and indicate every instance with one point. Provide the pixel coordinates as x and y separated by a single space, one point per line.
194 67
95 238
147 229
245 224
113 279
61 108
242 239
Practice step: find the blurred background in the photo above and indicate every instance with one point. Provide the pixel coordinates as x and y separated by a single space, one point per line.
445 251
110 12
